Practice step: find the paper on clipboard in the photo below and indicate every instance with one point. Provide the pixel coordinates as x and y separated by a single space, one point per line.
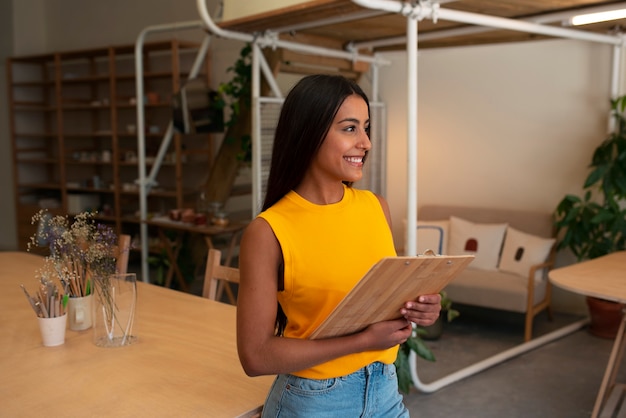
391 282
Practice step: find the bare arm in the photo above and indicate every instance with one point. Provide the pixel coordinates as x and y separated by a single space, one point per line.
260 351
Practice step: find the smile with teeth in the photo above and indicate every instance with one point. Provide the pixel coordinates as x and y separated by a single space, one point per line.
356 160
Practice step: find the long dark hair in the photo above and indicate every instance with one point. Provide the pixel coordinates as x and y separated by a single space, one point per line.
305 119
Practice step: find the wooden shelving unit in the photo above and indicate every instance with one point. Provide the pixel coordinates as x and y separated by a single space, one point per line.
73 118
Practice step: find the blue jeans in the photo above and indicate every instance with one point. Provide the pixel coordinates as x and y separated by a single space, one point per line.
369 392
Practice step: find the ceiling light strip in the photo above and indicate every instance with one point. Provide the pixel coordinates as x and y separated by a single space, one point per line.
589 18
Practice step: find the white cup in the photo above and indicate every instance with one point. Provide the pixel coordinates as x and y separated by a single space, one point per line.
79 311
53 330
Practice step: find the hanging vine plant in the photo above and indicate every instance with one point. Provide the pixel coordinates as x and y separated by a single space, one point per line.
235 94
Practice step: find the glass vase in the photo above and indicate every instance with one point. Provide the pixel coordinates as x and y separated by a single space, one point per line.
114 310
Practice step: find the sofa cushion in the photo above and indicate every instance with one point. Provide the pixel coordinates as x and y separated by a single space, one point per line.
484 241
493 289
432 235
522 250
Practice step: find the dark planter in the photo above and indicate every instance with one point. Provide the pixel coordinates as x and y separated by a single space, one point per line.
605 317
434 331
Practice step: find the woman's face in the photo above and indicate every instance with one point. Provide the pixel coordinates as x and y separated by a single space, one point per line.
340 157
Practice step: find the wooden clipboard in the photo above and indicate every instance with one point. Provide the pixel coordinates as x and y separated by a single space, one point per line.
391 282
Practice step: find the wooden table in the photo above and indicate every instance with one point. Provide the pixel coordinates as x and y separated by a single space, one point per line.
172 249
183 364
604 278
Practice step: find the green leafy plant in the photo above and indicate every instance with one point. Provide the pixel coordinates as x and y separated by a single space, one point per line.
594 225
236 93
416 343
161 263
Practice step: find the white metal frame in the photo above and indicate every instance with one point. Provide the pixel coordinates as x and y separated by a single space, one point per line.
145 183
414 12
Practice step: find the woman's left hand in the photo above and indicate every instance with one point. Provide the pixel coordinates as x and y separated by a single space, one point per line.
424 310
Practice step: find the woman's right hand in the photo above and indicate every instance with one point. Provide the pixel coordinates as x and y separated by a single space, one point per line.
386 334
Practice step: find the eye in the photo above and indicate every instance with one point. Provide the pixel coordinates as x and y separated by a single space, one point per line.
367 130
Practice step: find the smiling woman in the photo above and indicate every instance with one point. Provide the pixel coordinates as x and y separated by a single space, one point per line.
307 250
340 157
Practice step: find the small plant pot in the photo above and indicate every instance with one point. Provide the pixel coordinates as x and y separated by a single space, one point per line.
434 331
605 317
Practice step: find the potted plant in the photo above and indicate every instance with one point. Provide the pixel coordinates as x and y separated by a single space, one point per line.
415 343
594 225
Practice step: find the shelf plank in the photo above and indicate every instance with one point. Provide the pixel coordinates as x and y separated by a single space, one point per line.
33 83
38 160
89 190
49 186
87 107
33 107
42 135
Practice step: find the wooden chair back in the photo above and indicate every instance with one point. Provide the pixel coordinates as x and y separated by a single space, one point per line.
216 276
123 248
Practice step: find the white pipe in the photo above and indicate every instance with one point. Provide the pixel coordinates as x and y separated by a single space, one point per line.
471 30
274 100
411 211
383 151
436 12
255 108
269 77
196 67
615 71
490 361
216 30
141 134
510 24
269 40
165 143
382 147
615 81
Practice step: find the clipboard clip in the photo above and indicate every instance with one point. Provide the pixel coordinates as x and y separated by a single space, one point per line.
430 252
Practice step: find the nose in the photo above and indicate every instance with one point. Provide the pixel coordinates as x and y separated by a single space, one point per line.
364 142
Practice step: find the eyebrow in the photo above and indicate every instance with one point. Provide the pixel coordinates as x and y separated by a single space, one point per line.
353 120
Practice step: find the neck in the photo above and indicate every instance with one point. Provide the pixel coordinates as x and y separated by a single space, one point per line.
320 195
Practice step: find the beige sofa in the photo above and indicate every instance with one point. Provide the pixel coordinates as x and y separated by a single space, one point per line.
525 291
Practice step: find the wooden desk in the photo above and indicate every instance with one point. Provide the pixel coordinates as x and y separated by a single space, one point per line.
184 363
172 250
604 278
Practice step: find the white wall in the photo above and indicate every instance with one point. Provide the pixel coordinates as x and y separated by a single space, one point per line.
29 27
58 25
509 126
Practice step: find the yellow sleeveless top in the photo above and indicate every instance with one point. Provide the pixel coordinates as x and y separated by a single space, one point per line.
326 250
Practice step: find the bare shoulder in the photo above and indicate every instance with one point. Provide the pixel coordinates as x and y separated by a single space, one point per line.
258 231
382 200
385 206
258 243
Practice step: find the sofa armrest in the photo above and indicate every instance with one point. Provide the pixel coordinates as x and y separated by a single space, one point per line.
532 272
